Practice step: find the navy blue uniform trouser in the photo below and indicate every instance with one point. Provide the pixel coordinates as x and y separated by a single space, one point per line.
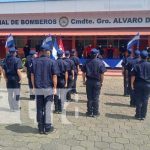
13 87
74 90
59 98
126 89
142 93
29 81
43 103
93 91
70 83
131 92
30 86
110 54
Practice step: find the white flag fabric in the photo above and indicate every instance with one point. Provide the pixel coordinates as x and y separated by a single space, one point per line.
134 41
55 49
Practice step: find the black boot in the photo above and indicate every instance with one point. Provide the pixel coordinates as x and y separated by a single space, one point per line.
41 128
32 97
56 103
59 106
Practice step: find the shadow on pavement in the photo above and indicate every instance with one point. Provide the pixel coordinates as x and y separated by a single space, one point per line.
117 104
21 129
3 91
118 116
82 101
24 84
110 94
82 93
25 98
4 109
72 113
79 101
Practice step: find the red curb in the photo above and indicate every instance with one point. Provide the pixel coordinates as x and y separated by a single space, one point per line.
109 72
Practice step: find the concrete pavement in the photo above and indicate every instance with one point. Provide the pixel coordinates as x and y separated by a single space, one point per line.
115 129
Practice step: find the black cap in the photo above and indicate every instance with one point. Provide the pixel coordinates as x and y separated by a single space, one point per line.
144 54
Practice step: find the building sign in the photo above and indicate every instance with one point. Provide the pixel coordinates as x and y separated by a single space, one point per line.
83 20
7 1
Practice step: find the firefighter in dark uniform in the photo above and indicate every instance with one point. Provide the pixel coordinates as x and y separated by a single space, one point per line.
93 70
124 64
1 70
28 65
130 66
44 80
12 75
122 50
62 80
141 84
49 54
76 61
148 50
70 70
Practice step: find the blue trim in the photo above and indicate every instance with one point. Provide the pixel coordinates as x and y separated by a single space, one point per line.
111 62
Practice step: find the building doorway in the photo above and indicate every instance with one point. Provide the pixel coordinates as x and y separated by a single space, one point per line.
2 48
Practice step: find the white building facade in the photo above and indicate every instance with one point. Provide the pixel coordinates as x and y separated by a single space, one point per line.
77 21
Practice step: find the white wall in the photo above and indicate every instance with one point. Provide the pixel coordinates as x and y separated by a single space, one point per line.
74 6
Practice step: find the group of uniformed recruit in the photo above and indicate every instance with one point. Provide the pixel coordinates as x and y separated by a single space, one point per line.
49 78
136 70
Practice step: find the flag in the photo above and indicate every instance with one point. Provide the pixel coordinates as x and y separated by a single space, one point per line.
10 42
134 41
60 44
48 41
55 49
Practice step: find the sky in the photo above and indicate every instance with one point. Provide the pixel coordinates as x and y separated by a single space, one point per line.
2 1
16 0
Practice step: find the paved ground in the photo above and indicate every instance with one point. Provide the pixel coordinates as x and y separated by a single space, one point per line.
115 129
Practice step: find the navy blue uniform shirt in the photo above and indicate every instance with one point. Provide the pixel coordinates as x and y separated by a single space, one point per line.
76 63
70 66
135 60
131 63
62 65
141 71
43 69
28 63
11 65
125 61
93 68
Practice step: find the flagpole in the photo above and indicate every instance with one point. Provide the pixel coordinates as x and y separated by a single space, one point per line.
138 44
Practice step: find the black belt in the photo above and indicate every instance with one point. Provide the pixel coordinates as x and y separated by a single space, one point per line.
90 78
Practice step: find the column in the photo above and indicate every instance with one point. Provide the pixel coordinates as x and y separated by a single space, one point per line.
73 42
95 41
148 41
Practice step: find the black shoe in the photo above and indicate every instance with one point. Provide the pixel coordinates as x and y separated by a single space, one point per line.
32 97
96 115
59 112
41 131
47 131
56 111
137 117
142 118
89 114
132 105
